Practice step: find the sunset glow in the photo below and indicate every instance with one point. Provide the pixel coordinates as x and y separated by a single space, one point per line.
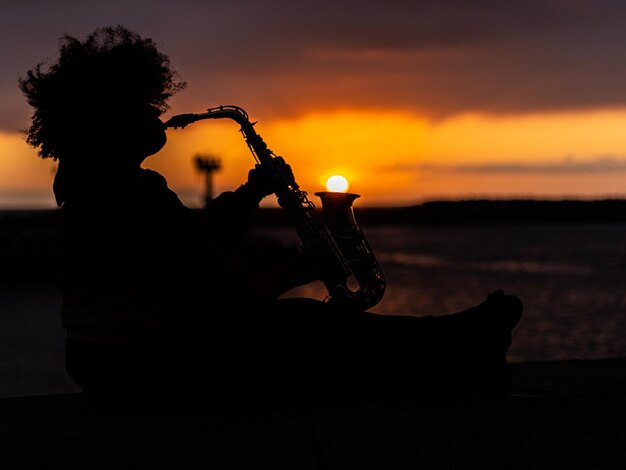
397 158
390 158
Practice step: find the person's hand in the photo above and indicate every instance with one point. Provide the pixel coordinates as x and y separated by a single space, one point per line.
259 182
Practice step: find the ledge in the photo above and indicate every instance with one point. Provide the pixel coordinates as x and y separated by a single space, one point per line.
560 414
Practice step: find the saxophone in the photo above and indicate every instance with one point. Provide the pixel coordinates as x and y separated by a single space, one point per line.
360 283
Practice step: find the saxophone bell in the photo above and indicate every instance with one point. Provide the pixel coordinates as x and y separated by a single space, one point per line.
367 276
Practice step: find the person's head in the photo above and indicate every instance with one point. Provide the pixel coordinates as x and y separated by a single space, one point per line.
102 98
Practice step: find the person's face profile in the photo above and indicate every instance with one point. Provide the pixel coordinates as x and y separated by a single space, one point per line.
152 136
138 131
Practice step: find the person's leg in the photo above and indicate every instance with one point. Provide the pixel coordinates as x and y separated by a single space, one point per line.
459 353
302 352
100 370
369 356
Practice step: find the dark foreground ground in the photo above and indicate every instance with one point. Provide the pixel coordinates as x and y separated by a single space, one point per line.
560 415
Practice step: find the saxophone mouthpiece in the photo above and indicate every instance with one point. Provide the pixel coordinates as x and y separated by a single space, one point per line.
180 120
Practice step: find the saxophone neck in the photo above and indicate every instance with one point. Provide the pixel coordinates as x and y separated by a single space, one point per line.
235 113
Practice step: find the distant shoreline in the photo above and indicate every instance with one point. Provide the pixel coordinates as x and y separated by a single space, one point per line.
481 211
487 211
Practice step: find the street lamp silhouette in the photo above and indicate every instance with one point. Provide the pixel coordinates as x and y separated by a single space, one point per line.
207 164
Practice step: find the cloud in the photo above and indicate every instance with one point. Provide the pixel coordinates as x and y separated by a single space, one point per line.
278 58
602 164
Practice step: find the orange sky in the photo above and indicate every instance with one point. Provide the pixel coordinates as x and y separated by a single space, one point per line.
390 158
411 101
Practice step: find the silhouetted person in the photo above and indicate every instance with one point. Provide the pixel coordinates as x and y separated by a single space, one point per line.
161 304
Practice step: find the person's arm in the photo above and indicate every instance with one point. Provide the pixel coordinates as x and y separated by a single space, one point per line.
233 210
270 281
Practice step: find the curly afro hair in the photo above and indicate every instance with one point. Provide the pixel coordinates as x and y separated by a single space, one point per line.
112 72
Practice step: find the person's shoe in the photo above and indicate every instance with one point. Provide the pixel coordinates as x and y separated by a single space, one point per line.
508 309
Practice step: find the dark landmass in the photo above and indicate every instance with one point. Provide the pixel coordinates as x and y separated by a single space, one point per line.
508 211
29 238
478 211
482 211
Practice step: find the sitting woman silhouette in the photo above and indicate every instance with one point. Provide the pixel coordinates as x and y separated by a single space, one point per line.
162 306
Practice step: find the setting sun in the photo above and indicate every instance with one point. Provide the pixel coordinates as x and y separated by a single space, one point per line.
337 184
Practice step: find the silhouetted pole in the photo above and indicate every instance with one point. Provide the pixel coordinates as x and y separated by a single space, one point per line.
207 164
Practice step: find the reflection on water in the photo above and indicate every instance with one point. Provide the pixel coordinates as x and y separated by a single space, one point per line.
570 278
428 261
